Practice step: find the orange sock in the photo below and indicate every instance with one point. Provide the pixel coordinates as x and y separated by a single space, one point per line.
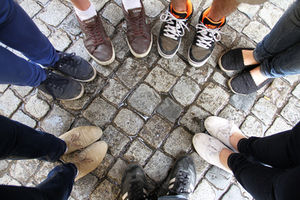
209 23
183 14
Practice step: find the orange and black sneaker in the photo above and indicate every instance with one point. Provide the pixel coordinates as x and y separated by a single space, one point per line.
172 30
207 33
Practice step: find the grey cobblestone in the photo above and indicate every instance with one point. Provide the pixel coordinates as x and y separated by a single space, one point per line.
170 110
155 131
36 107
270 14
256 31
129 122
178 142
8 103
144 99
138 152
158 166
160 80
57 122
185 91
54 13
213 98
99 112
151 131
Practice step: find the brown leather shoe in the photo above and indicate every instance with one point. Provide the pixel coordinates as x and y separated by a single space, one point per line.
96 41
139 36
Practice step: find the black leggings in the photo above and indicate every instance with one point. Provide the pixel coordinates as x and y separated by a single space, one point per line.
282 152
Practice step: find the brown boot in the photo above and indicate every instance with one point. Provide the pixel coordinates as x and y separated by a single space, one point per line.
139 36
96 41
81 137
88 159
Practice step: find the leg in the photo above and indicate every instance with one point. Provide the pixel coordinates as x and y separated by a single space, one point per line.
280 150
20 141
57 186
17 71
285 34
221 8
18 31
282 64
264 182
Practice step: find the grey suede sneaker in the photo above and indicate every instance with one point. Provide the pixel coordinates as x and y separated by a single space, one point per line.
207 33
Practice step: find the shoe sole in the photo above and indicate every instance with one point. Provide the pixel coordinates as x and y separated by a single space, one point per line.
165 55
104 62
229 85
93 77
77 97
221 66
137 55
196 64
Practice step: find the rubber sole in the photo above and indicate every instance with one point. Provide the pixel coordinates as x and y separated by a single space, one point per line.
92 78
165 55
137 55
77 97
104 62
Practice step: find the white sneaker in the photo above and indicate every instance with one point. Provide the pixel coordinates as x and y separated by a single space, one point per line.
221 129
209 149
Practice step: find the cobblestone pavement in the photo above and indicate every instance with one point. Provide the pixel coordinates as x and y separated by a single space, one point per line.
150 108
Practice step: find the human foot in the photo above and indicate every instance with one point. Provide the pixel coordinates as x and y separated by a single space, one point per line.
224 130
81 137
88 159
248 81
237 59
212 150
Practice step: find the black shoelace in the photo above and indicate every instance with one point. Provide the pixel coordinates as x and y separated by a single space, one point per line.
181 183
54 85
67 63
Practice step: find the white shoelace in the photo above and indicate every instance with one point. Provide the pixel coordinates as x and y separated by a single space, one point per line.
206 36
175 27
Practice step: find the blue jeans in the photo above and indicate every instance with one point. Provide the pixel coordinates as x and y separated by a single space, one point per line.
19 32
279 51
18 141
174 197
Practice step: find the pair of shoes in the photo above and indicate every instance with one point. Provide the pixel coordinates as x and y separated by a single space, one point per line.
181 181
92 153
210 147
242 83
67 87
99 45
172 31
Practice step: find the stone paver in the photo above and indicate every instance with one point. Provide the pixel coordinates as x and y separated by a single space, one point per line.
150 108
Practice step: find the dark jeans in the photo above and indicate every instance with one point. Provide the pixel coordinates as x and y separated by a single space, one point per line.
282 152
19 32
18 141
279 51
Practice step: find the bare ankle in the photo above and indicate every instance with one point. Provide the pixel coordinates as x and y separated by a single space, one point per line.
224 155
248 57
258 76
235 138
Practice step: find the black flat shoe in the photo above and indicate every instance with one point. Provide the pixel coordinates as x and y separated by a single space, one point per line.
233 60
243 83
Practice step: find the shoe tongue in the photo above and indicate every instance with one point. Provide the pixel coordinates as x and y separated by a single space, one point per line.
211 24
135 12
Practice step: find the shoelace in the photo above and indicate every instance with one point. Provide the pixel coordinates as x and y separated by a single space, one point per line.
67 63
94 31
54 86
138 191
206 36
175 27
180 184
136 25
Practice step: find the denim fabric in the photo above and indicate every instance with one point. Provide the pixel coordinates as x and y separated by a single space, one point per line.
18 141
279 180
279 51
173 197
19 32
